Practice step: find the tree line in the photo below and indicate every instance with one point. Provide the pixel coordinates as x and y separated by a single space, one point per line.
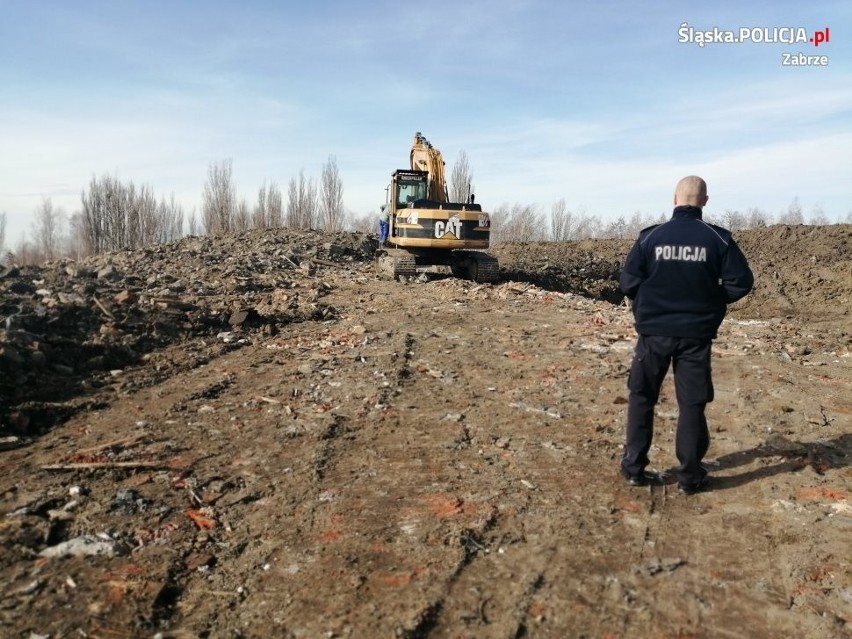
526 223
116 215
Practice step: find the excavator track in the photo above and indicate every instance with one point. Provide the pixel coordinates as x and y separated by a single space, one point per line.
394 263
479 267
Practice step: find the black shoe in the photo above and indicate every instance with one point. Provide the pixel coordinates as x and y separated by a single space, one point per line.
642 479
691 489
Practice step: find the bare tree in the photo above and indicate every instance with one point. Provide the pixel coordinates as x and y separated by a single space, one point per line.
793 214
565 225
757 218
95 209
242 218
47 230
194 227
117 216
499 218
331 212
25 253
733 220
818 217
146 223
2 231
558 214
365 223
589 227
267 211
461 180
308 202
619 229
170 220
260 216
637 223
274 207
293 213
76 238
301 202
219 199
521 223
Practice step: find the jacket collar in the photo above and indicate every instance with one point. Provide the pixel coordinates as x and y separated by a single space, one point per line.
686 212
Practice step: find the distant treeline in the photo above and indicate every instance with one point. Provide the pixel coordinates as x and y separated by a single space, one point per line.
116 215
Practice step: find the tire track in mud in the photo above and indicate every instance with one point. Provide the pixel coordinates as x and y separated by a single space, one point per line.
509 585
405 386
464 541
219 386
335 496
491 588
217 381
313 451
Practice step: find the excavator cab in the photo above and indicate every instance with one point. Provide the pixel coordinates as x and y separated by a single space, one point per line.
410 187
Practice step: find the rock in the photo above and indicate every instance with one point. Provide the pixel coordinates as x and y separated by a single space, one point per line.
124 297
243 316
108 272
85 546
9 271
11 354
78 272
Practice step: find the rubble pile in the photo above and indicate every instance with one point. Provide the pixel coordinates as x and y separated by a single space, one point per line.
585 268
71 326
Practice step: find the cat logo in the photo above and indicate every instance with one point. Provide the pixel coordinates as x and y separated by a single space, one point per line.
451 228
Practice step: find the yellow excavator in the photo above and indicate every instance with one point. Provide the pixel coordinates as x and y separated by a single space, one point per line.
427 232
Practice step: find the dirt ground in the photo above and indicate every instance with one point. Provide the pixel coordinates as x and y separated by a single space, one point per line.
255 436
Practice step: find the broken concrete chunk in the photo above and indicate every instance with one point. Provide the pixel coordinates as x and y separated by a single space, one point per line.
108 272
85 546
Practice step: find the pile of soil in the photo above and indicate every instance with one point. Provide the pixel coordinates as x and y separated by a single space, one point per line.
801 271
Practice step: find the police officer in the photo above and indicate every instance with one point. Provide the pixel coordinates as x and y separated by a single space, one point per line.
681 275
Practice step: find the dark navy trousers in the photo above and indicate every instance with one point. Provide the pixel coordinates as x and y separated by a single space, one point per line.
690 361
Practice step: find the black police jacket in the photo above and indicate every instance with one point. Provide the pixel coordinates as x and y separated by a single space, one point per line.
682 274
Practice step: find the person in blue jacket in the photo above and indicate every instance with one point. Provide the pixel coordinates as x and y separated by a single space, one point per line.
384 225
680 276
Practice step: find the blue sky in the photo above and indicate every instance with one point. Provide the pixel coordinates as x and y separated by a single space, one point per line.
599 105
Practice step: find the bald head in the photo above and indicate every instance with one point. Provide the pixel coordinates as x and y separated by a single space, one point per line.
691 191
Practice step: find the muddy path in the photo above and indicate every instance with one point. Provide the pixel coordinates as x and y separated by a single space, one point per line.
434 459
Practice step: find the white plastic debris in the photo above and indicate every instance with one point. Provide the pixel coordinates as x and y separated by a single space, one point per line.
84 546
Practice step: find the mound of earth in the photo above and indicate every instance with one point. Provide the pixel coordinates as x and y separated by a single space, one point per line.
801 271
254 436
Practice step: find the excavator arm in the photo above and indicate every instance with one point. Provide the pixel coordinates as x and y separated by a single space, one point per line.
425 157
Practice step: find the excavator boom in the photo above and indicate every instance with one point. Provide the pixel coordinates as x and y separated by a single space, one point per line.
425 157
